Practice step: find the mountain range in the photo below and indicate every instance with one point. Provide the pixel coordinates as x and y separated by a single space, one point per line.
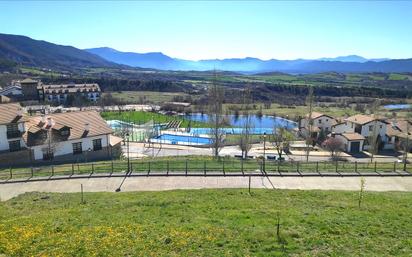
22 50
351 63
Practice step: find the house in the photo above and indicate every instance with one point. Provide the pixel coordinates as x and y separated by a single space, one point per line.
68 92
12 127
13 90
56 138
399 134
320 122
356 132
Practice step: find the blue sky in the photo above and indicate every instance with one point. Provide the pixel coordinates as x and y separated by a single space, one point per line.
204 30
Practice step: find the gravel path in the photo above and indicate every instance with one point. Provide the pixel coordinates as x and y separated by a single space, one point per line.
8 191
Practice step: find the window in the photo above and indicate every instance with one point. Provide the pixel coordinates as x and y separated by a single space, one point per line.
97 144
77 148
13 130
370 127
64 132
320 121
14 145
47 155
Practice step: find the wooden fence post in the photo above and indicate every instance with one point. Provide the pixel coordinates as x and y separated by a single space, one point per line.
375 167
394 166
32 172
52 170
204 167
336 167
72 169
112 168
11 173
356 166
149 168
167 167
92 168
223 163
186 167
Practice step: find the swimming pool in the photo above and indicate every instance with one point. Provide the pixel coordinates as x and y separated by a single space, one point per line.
181 140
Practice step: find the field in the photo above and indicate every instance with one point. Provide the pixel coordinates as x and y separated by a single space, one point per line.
146 96
207 223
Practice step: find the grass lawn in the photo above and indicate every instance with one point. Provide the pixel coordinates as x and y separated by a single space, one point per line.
149 96
207 223
141 117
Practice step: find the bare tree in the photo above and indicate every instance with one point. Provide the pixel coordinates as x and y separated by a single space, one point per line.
245 141
406 143
215 98
309 124
334 146
373 138
281 140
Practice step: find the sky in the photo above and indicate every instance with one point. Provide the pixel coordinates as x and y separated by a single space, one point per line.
232 29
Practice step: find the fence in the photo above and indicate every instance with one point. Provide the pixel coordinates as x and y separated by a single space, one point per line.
205 167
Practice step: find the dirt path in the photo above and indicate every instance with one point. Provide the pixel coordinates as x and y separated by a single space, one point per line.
8 191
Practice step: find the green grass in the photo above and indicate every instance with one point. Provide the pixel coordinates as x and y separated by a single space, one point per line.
207 223
141 117
146 96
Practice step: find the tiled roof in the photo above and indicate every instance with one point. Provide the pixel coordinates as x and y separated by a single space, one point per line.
398 128
70 88
361 119
28 80
316 115
353 136
77 122
11 113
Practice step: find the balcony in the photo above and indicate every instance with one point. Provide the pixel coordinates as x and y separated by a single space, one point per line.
14 134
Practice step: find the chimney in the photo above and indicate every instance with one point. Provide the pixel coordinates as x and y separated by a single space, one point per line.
50 122
86 127
20 112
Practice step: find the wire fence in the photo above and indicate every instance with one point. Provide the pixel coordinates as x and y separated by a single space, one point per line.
206 167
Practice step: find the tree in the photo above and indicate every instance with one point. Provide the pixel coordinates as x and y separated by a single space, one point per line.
215 98
334 146
281 140
245 141
373 138
309 125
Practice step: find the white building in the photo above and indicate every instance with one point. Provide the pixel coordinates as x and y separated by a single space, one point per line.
356 132
61 93
62 137
320 122
12 127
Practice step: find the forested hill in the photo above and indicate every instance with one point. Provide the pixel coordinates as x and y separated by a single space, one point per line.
23 50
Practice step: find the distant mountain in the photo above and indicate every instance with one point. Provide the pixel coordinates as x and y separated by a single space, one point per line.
352 58
26 51
351 63
147 60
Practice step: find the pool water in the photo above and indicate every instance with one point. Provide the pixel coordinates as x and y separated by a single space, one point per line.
231 131
397 106
182 140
